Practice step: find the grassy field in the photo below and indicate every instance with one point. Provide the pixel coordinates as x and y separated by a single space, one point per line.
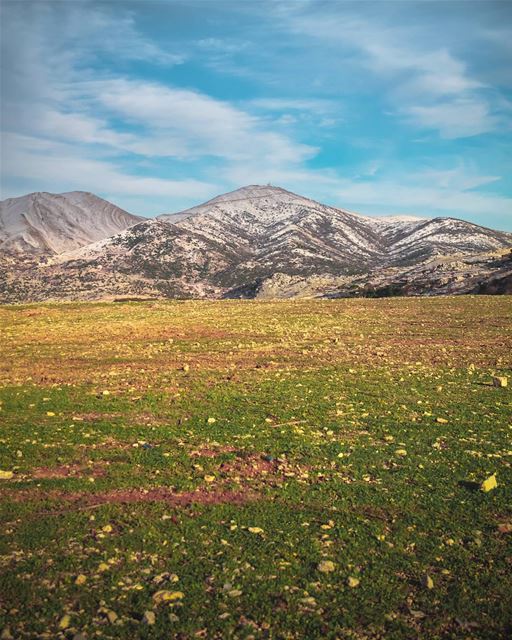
302 469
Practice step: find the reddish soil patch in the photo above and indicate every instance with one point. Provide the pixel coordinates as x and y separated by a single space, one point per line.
130 496
250 467
162 494
95 416
150 420
32 312
67 471
212 452
108 443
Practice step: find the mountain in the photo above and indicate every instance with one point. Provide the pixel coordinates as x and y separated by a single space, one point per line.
257 241
49 223
274 230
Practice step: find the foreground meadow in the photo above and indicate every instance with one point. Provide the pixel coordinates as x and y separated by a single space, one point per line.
302 469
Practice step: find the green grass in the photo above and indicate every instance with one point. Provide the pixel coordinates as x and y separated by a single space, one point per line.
315 403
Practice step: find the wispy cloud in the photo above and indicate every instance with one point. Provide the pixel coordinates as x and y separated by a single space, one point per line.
458 118
428 85
57 166
392 196
221 45
295 104
199 123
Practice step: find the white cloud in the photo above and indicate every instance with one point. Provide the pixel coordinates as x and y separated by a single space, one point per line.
221 46
426 83
431 193
77 32
460 118
80 128
187 123
436 73
460 178
49 163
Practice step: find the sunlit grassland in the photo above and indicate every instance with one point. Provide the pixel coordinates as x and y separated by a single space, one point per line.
220 451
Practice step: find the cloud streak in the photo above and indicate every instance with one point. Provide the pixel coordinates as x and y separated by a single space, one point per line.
427 86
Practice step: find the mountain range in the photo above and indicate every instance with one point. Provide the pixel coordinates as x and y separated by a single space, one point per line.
257 241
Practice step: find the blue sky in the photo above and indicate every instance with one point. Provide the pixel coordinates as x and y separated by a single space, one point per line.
379 107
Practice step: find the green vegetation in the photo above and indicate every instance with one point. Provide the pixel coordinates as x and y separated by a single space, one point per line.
301 469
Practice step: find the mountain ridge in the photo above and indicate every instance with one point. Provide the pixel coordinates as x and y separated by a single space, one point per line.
248 240
43 222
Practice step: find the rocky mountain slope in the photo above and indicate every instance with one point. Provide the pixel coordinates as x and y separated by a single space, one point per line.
258 241
486 273
48 223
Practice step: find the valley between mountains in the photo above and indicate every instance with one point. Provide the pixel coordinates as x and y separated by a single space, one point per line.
255 242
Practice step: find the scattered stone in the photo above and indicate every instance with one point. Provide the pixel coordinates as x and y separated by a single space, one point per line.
326 566
489 484
111 616
353 582
80 579
167 596
149 618
255 529
65 621
428 583
165 577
